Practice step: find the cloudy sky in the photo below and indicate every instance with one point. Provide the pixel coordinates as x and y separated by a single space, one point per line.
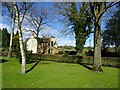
54 29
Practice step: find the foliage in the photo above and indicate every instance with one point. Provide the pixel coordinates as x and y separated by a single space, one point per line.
60 52
88 60
109 54
80 21
89 53
106 61
111 36
72 53
5 38
16 46
49 74
16 49
77 19
104 53
97 11
66 53
59 58
28 56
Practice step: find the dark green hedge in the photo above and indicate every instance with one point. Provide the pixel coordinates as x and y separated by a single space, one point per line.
58 58
88 60
106 61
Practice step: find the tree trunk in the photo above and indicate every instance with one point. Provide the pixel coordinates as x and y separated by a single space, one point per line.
20 41
97 48
11 38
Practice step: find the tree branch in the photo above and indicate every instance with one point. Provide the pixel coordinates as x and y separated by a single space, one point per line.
106 8
25 10
29 30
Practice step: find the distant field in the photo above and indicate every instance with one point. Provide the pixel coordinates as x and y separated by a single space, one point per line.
47 74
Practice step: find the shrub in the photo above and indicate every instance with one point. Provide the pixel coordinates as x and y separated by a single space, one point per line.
72 53
28 55
58 58
66 53
106 61
89 53
18 55
110 54
61 52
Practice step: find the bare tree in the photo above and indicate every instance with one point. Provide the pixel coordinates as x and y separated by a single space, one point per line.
37 18
97 10
20 14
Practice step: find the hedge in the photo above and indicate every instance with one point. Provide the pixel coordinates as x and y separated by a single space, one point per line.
106 61
88 60
58 58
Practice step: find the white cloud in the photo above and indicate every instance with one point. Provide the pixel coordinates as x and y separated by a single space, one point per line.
66 41
90 41
49 31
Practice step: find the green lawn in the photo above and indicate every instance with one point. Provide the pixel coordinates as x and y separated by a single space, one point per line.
48 74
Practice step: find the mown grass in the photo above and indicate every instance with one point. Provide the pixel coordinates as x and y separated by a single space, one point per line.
0 76
47 74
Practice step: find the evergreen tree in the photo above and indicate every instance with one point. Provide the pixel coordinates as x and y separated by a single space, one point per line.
5 38
16 46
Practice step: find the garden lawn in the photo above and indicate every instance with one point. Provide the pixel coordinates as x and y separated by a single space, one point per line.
47 74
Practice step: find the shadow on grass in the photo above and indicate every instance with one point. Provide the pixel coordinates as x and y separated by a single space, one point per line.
113 66
33 67
3 60
84 65
31 62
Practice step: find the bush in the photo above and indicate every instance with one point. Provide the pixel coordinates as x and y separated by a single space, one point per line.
106 61
60 52
66 53
59 58
89 53
104 53
110 54
72 53
28 55
18 55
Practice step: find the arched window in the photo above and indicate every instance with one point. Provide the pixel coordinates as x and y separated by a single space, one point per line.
48 51
52 43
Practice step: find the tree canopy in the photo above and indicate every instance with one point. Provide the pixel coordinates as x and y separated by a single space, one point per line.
77 19
111 36
5 38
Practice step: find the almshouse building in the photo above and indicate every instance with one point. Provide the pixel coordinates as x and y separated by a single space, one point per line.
44 45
